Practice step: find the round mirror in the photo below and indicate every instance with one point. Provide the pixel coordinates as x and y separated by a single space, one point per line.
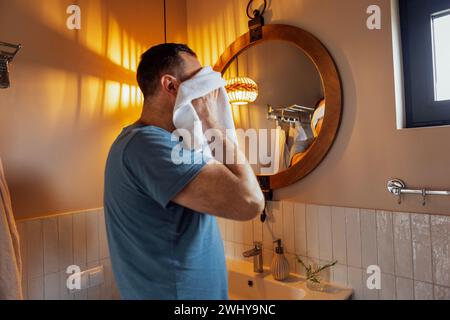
287 110
285 93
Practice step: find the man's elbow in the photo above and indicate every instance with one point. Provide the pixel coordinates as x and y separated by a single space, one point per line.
253 205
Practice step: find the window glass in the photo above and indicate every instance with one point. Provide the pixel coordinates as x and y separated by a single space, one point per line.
441 51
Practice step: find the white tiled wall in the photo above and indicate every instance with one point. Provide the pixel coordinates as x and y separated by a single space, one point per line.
412 250
50 245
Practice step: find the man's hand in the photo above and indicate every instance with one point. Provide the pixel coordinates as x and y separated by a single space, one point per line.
204 106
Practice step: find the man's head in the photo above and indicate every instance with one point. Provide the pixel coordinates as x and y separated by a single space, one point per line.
163 68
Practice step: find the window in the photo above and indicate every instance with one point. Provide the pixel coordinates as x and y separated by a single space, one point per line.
441 53
425 30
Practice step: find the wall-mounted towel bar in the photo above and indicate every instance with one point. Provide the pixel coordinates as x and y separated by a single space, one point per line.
7 53
290 114
398 188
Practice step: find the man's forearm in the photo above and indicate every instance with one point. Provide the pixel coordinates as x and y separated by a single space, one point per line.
233 158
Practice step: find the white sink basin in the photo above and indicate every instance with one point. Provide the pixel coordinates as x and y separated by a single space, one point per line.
244 284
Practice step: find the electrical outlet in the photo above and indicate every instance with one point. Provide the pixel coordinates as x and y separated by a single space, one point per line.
89 278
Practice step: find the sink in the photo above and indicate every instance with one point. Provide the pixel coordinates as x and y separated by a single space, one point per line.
244 284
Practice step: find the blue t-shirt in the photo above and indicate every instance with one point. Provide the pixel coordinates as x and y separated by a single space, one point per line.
159 250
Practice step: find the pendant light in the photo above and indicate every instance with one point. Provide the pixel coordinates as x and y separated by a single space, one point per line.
244 90
241 91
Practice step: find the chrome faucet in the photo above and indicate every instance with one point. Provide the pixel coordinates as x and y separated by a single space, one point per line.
257 254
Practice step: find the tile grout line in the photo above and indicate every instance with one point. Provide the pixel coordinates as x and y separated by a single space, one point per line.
433 276
43 257
393 254
412 256
306 229
332 240
361 247
85 238
319 251
380 293
346 245
360 239
376 249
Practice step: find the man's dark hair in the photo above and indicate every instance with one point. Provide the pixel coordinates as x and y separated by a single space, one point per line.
157 61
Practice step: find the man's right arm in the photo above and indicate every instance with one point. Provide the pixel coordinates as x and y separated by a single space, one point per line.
228 190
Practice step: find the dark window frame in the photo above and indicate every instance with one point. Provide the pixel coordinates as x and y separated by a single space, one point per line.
418 64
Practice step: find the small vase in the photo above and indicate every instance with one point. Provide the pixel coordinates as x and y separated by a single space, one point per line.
314 286
323 277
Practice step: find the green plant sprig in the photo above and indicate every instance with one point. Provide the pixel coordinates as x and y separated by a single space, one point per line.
313 274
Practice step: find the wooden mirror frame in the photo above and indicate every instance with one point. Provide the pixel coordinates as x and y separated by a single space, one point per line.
331 84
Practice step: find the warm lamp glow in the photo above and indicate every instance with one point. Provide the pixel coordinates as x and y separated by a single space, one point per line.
241 90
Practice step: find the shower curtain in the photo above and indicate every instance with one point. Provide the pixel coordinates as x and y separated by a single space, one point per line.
10 259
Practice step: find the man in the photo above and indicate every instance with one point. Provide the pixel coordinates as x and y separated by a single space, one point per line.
163 235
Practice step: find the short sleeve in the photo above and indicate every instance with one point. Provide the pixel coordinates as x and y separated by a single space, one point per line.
158 164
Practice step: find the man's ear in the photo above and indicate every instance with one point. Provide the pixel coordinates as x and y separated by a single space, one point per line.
170 84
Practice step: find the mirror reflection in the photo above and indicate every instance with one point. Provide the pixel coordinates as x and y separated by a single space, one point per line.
275 90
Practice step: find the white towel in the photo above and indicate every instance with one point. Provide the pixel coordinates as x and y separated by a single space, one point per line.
318 115
10 260
301 138
277 148
185 117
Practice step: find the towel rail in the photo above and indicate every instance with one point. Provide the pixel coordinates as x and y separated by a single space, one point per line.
398 188
292 114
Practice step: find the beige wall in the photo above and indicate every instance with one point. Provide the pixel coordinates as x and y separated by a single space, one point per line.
72 92
368 150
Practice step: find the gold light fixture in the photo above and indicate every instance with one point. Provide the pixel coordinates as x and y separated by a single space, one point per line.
242 91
